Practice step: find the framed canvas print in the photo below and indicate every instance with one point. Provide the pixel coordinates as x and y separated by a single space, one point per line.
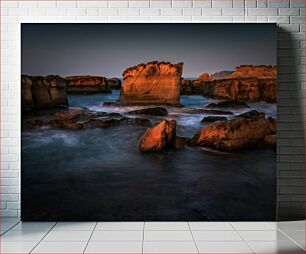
155 122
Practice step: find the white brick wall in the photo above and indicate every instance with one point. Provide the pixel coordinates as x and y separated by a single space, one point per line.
289 14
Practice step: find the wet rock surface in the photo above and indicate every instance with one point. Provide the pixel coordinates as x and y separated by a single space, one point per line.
80 118
158 137
227 104
234 134
156 111
212 119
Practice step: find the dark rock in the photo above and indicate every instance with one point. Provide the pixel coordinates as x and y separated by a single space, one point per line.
157 111
114 83
227 104
207 111
248 114
67 124
43 92
211 119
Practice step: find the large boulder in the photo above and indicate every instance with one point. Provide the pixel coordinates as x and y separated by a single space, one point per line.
152 83
43 92
234 134
158 137
87 84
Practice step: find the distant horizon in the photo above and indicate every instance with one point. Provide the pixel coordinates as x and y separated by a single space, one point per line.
195 77
108 49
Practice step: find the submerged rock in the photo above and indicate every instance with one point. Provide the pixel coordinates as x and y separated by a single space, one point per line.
227 104
234 134
207 111
248 114
67 124
156 111
152 83
180 142
158 137
211 119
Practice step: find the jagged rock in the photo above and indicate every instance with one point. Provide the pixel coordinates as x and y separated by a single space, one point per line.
87 84
211 119
227 104
247 83
114 83
152 83
156 111
234 134
247 71
43 92
158 137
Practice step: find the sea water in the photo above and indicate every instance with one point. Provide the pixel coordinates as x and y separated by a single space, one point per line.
99 174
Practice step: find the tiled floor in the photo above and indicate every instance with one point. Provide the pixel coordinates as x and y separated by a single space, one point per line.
152 237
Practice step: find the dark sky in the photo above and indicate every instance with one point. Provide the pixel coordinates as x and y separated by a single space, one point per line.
108 49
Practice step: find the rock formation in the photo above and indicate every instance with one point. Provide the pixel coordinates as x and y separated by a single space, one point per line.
235 134
156 111
227 104
220 74
158 137
250 71
152 83
80 118
247 83
212 119
43 92
87 84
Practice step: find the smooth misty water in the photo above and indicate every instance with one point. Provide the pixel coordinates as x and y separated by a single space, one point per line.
99 174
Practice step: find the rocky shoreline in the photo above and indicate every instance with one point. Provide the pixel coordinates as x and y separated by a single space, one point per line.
45 103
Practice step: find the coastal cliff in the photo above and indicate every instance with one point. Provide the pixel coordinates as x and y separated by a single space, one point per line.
152 83
39 92
87 84
246 83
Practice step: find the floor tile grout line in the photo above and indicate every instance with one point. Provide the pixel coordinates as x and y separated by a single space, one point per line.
14 225
290 238
143 232
244 240
90 237
42 238
193 237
